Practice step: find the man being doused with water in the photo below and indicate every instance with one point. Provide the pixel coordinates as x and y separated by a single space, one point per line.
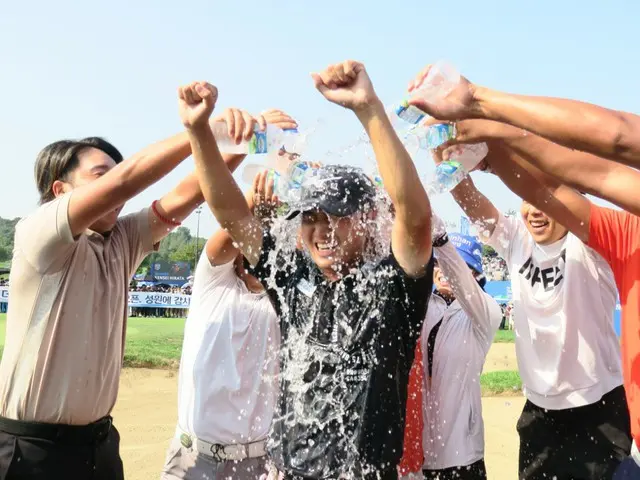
349 324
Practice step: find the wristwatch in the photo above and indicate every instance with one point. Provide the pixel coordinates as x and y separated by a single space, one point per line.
441 240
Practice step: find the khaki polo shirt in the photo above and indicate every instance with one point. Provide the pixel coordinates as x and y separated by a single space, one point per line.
67 315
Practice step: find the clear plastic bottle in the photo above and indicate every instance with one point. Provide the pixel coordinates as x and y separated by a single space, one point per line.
287 183
269 140
441 80
462 160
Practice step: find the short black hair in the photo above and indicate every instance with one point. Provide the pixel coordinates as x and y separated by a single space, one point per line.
57 160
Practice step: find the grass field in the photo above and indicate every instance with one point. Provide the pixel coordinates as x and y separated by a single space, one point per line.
157 343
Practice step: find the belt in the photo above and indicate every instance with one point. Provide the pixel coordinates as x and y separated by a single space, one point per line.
223 453
63 434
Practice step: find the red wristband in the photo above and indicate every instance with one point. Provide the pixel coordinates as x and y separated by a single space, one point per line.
162 218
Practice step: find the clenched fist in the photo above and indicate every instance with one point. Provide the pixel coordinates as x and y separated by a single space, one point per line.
196 102
346 84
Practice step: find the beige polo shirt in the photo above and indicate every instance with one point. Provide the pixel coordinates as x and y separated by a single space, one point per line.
67 316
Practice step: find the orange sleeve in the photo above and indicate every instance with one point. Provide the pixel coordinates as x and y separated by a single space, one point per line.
609 235
413 455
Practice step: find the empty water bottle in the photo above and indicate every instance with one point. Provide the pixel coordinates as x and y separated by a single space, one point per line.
462 160
439 82
269 140
287 184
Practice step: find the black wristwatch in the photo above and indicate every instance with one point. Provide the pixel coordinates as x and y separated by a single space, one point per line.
441 240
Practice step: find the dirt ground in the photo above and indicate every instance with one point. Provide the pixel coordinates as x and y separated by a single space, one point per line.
146 416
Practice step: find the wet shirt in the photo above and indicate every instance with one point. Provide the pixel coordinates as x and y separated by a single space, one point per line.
347 349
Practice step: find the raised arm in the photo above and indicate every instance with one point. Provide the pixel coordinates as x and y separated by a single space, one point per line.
585 172
348 84
187 195
577 125
262 202
224 197
115 187
476 303
476 206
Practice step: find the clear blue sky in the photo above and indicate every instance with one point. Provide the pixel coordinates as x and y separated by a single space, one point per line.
75 68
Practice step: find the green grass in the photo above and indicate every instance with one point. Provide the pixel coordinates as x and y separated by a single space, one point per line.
500 383
157 343
151 342
505 336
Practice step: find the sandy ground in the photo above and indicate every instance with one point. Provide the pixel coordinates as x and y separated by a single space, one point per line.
146 414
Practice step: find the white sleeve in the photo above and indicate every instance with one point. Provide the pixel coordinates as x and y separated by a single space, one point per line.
508 233
479 306
209 276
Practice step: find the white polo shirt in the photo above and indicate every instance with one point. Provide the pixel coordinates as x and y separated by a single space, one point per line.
453 432
564 297
227 380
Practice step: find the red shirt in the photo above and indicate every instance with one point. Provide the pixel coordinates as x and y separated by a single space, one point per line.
616 236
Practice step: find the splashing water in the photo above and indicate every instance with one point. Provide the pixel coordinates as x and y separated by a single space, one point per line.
316 405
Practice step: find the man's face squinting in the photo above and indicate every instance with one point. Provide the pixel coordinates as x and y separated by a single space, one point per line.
544 229
92 164
333 242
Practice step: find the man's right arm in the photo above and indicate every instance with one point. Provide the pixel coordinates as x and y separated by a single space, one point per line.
577 125
222 194
90 202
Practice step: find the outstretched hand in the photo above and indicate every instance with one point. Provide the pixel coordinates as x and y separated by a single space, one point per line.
458 104
241 125
195 103
474 131
346 84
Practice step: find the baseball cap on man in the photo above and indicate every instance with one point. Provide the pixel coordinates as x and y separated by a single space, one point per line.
337 190
469 249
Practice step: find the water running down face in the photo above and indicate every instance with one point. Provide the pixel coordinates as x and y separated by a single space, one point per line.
334 243
336 203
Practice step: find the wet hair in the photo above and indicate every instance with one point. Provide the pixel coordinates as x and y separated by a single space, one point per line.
58 160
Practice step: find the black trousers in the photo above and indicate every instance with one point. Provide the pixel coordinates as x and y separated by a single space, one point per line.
475 471
582 443
37 451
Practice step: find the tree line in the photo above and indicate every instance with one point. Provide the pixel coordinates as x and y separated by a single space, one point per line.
178 246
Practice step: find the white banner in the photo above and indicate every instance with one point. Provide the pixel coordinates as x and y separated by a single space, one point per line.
158 300
138 299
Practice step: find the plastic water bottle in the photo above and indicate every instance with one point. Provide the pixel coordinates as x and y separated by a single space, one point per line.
441 80
269 140
450 173
287 182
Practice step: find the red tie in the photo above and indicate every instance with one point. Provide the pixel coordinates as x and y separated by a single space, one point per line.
413 455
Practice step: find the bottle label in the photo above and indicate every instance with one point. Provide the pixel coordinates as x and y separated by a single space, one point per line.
449 167
440 134
409 113
297 173
258 143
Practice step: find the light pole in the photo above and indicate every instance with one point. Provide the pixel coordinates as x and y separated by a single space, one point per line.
195 254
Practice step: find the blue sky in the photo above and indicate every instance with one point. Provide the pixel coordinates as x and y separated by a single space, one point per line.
75 68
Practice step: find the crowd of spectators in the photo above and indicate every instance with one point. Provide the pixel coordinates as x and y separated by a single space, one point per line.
495 269
162 289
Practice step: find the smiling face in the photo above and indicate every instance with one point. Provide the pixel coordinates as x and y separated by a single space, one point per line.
544 229
441 283
334 243
92 164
